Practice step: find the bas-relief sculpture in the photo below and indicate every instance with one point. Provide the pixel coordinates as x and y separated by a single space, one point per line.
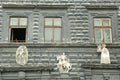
22 55
63 65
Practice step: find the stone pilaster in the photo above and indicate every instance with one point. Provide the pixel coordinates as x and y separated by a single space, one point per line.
35 25
0 22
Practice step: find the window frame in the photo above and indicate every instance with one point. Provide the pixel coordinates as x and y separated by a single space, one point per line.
102 27
53 30
18 26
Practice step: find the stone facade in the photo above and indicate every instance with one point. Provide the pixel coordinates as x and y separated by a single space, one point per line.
77 40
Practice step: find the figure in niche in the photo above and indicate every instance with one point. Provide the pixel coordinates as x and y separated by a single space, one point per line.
105 57
63 65
22 55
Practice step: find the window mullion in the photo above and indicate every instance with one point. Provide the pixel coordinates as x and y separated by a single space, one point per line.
19 22
12 34
102 31
61 31
44 29
53 29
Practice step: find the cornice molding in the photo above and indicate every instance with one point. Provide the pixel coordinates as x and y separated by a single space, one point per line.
101 5
26 68
57 45
100 66
36 5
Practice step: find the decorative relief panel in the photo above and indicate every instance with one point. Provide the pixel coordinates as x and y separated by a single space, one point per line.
22 55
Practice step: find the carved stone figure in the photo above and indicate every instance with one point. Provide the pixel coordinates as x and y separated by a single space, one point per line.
22 55
105 57
99 48
63 65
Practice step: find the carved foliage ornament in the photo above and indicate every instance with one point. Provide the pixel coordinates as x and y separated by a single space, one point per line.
22 55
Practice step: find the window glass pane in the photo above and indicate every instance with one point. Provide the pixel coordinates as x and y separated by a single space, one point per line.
98 35
97 22
23 21
57 34
106 22
107 35
48 34
14 21
48 21
57 21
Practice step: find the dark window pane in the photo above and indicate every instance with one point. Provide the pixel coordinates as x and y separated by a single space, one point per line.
18 34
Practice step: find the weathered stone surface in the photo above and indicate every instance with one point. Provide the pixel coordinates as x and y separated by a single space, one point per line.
78 38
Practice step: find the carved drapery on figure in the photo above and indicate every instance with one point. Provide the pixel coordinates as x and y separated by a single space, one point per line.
63 65
105 55
22 55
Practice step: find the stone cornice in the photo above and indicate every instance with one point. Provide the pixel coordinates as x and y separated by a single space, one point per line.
35 6
26 68
57 45
101 5
88 5
100 66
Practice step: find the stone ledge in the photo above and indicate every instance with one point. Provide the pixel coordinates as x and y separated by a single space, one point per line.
57 45
26 68
100 5
100 66
37 5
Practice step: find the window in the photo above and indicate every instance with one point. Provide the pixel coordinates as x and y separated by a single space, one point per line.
102 30
52 29
18 27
